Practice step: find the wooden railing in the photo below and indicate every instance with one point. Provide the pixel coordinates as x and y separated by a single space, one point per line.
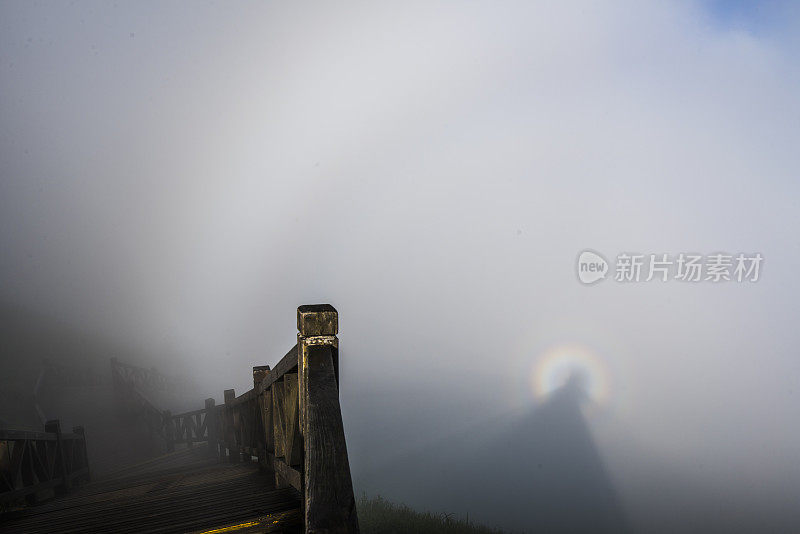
130 387
143 379
33 465
193 427
290 422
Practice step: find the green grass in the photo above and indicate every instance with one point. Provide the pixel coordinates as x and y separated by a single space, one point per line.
378 516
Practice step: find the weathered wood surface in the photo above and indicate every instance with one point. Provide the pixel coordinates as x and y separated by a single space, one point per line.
34 464
185 491
329 502
286 364
290 424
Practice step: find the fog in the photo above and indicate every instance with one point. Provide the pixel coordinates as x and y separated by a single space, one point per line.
175 179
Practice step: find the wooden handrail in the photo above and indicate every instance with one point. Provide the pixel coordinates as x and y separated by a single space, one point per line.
290 422
133 386
143 378
34 464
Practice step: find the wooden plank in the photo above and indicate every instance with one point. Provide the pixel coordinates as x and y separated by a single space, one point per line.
200 425
289 474
17 456
42 471
210 424
228 424
287 363
201 496
303 344
243 424
79 473
329 502
266 411
292 451
7 434
260 429
13 495
244 397
54 427
189 414
80 439
191 430
278 418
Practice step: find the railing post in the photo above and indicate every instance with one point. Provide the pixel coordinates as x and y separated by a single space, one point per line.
84 453
116 388
260 372
169 430
54 427
329 503
187 424
234 454
211 427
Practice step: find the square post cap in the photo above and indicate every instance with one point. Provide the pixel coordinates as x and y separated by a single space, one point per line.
260 372
317 320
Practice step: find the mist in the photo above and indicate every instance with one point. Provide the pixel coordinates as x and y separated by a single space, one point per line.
175 179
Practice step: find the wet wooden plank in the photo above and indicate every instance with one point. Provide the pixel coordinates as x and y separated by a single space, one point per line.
180 492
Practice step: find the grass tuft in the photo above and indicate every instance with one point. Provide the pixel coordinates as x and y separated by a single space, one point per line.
376 515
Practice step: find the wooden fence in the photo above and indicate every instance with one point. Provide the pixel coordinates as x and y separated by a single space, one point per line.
290 422
34 465
131 386
146 379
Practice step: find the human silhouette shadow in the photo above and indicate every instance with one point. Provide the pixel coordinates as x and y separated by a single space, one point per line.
539 471
551 468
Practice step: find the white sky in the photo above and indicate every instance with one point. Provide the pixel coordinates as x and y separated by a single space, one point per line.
180 177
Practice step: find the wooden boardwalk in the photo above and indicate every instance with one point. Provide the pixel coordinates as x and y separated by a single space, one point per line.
184 491
273 459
